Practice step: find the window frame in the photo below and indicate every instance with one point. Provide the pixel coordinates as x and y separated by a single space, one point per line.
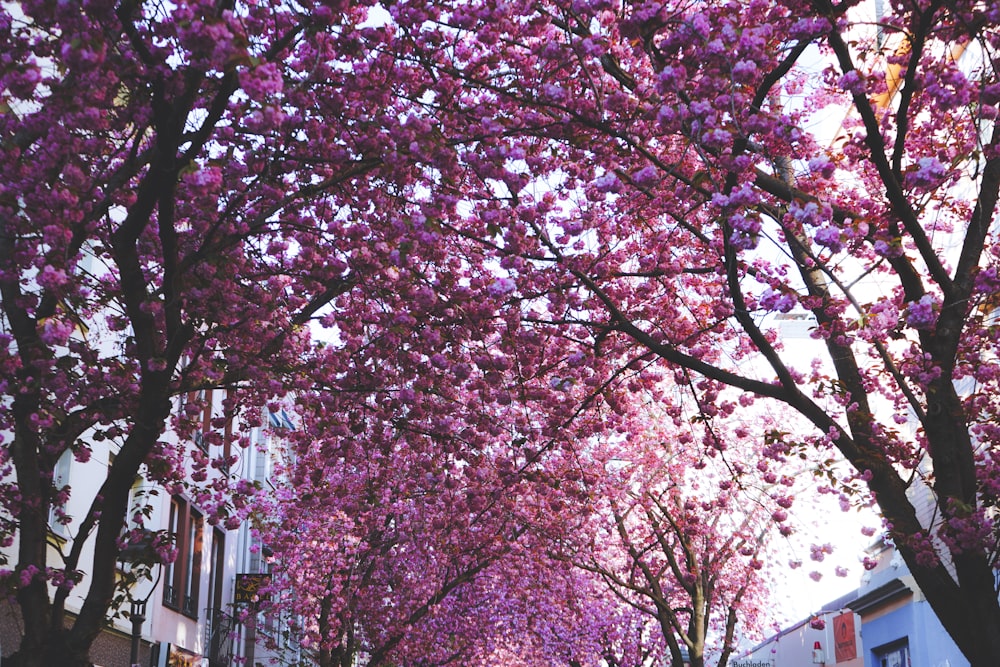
899 648
61 472
182 577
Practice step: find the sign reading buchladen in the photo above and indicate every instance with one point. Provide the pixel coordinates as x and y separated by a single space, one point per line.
248 587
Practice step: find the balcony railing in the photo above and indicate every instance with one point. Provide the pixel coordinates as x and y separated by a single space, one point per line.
190 607
219 629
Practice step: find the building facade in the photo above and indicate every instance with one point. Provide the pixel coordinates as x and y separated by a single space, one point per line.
190 613
886 622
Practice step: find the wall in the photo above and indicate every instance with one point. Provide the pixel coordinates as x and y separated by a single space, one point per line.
794 647
894 612
917 625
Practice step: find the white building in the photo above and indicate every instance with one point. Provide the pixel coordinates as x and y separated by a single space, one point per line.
189 609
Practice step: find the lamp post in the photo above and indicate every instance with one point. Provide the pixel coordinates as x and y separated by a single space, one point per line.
138 615
138 560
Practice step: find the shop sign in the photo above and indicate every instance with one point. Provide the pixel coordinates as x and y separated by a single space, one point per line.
845 645
248 587
178 657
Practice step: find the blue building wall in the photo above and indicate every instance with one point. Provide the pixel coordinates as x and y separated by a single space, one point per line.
897 626
894 612
916 624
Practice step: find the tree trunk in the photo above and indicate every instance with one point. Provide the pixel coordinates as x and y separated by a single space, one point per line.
55 653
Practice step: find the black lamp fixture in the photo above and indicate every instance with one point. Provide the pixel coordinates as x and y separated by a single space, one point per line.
138 615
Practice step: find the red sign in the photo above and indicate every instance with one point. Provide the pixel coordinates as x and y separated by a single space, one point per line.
844 641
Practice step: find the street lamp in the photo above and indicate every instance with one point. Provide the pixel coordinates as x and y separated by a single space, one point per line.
142 559
138 616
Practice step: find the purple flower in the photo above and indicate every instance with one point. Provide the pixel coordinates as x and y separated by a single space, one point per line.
922 314
27 575
669 77
929 172
829 237
646 176
883 249
608 183
775 301
502 287
51 277
744 70
853 82
822 166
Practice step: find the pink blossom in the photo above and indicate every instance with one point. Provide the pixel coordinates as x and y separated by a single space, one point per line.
608 183
262 81
54 331
51 277
830 237
922 314
779 302
27 574
822 166
853 82
502 287
928 172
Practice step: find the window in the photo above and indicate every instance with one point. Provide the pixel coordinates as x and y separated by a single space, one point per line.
218 564
894 655
203 422
134 529
182 578
201 441
227 444
60 480
139 506
197 407
261 461
219 623
170 596
192 571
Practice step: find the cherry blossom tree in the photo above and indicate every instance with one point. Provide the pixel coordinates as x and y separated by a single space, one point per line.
172 216
365 555
596 195
659 179
186 188
685 570
399 511
395 550
682 532
545 612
